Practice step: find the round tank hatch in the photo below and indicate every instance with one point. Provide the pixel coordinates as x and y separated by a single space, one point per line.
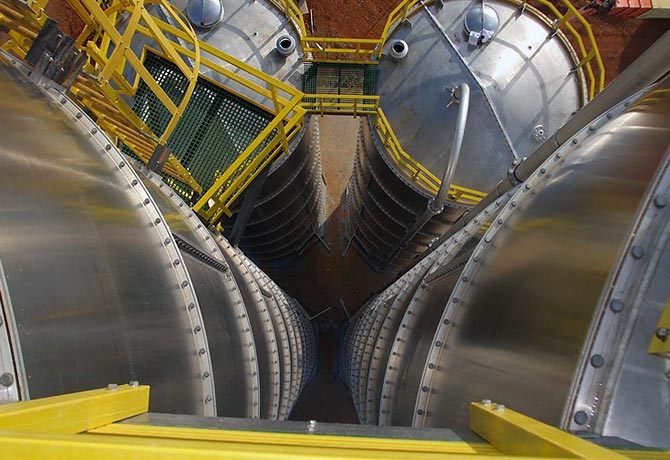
398 50
204 13
481 18
285 45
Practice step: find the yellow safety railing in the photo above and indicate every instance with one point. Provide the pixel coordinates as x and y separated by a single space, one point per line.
416 170
405 9
86 425
368 51
341 104
294 14
349 50
234 180
347 104
585 56
103 87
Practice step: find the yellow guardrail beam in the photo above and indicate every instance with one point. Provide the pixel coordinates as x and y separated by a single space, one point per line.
244 169
84 425
75 413
516 434
324 441
340 104
416 170
370 50
585 57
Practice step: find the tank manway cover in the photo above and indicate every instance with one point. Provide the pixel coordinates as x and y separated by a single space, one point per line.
482 18
204 13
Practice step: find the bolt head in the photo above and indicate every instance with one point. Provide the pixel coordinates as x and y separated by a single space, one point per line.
660 201
616 305
6 379
662 333
581 417
637 252
597 361
134 383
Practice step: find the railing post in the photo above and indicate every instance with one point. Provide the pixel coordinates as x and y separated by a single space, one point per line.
281 127
404 11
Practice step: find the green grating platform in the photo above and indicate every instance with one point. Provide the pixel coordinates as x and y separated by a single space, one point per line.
339 78
216 127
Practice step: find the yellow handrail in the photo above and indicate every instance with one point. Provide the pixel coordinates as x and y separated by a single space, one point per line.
356 50
369 51
110 55
585 57
233 181
340 104
405 9
416 170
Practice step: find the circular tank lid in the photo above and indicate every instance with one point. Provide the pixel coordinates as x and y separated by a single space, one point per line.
481 17
204 13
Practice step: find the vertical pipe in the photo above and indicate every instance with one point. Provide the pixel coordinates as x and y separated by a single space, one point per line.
435 205
462 94
646 70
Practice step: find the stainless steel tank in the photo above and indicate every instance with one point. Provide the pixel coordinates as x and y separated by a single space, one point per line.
552 311
522 87
109 277
290 208
288 211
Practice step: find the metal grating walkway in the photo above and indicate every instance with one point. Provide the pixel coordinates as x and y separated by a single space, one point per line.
214 130
339 78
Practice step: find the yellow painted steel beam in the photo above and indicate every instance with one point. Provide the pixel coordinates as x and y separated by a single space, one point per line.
515 434
221 185
211 50
299 439
74 413
109 447
660 340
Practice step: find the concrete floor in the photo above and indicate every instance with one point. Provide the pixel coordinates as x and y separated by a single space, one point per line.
323 278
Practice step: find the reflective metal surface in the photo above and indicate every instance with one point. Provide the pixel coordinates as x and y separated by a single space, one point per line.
388 340
551 310
248 31
107 276
382 207
204 13
263 330
481 17
517 62
517 332
289 209
82 253
225 322
520 79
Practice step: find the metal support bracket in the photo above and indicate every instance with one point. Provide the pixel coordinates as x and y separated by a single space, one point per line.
158 158
250 198
511 172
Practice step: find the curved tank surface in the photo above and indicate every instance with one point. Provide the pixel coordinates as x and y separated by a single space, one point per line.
547 305
95 245
282 209
522 88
